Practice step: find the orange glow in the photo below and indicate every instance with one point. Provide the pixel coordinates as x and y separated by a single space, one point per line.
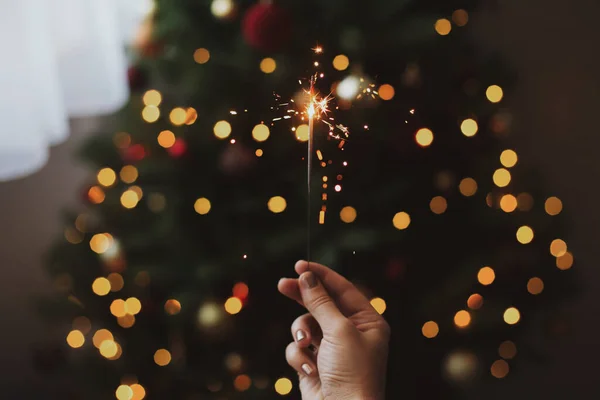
430 329
462 319
512 316
162 357
508 203
424 137
233 305
75 339
166 139
535 286
96 195
172 307
475 301
242 383
240 290
201 56
565 262
486 276
387 92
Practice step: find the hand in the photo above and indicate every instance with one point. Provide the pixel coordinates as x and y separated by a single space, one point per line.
340 346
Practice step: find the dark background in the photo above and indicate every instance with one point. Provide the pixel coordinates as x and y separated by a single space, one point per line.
553 45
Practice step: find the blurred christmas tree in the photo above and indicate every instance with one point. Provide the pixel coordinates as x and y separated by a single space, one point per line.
166 282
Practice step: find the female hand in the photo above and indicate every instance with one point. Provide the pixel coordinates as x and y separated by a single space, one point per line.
340 346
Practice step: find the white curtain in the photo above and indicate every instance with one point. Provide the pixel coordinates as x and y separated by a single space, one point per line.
61 59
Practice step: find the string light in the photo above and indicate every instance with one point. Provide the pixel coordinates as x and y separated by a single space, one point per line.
261 132
162 357
96 195
101 286
430 329
124 392
525 235
128 174
129 199
222 8
387 92
502 177
512 316
283 386
462 319
100 336
475 301
116 282
133 306
152 98
233 305
178 116
379 305
268 65
438 205
565 261
341 62
108 348
191 115
118 308
166 139
172 307
75 339
202 206
100 243
424 137
401 220
126 321
468 187
469 127
535 286
201 56
508 203
222 129
509 158
107 177
443 27
348 214
150 114
558 248
494 93
486 276
553 206
277 204
138 391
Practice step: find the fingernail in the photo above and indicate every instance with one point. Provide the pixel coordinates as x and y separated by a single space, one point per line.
300 335
307 369
309 280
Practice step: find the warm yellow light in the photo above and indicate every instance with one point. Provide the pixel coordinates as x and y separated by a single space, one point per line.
525 234
191 115
468 187
502 177
75 339
438 205
268 65
118 354
242 383
101 286
379 305
277 204
424 137
118 308
233 305
553 206
261 132
178 116
108 348
222 129
509 158
565 262
387 92
475 301
348 214
558 248
138 391
100 243
430 329
133 306
494 93
129 199
152 98
512 316
116 282
259 152
499 369
128 174
443 26
535 286
162 357
221 8
469 127
486 276
201 56
100 336
126 321
341 62
172 307
96 195
460 17
302 133
202 206
107 177
283 386
508 203
462 319
507 350
166 139
401 220
151 114
124 392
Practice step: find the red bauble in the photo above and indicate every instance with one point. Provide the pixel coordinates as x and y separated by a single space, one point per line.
178 149
266 27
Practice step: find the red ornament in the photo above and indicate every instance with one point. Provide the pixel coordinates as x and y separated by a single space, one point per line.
266 27
178 149
134 153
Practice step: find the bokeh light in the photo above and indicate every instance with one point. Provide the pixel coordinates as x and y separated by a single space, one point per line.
348 214
138 391
75 339
509 158
277 204
401 220
166 139
126 321
443 26
494 93
553 206
152 98
462 319
172 307
468 187
525 234
438 205
460 17
202 206
508 203
486 276
209 314
424 137
233 305
162 357
222 8
502 177
469 127
108 348
178 116
96 195
242 383
129 199
558 248
387 92
525 202
240 290
100 243
150 114
201 56
268 65
261 132
222 129
565 261
133 306
101 286
507 350
118 308
124 392
128 174
430 329
100 336
157 202
475 301
512 316
379 305
499 369
82 324
302 133
283 386
116 282
341 62
535 286
107 177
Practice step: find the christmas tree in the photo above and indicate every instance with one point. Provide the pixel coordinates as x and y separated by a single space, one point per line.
166 282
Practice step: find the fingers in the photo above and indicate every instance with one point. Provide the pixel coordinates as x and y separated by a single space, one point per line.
289 288
306 332
300 360
347 296
318 302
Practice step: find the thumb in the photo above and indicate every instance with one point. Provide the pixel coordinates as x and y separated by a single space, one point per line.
318 302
